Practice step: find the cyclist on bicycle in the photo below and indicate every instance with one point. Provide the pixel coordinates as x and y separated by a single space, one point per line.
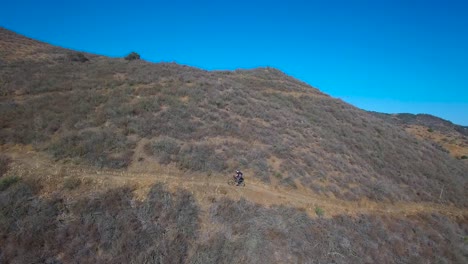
239 177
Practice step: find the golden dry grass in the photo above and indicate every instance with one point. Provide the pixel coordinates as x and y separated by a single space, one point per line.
298 224
205 188
455 143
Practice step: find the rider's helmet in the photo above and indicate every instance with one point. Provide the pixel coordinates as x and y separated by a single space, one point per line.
237 171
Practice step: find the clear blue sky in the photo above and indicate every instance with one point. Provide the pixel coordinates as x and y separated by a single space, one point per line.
388 55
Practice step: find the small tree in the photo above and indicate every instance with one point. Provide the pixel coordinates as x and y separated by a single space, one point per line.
77 56
132 56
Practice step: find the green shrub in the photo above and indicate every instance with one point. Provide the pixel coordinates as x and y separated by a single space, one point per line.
319 211
430 130
464 157
278 175
7 182
132 56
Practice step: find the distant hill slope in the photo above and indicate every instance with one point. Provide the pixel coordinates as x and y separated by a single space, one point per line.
451 137
118 113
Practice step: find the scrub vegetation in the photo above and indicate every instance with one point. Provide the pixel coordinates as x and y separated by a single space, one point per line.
115 226
124 114
96 111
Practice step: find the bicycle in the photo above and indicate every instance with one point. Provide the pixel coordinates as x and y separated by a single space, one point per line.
232 181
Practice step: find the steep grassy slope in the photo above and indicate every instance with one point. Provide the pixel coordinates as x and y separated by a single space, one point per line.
271 125
98 121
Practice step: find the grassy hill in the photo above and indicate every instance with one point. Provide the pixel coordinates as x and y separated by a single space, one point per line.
68 117
446 135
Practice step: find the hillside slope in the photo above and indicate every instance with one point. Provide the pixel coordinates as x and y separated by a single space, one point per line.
60 213
114 113
446 135
303 152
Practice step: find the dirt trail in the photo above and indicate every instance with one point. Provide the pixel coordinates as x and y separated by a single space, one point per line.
206 188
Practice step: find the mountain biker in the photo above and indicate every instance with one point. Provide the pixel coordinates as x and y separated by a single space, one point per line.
239 177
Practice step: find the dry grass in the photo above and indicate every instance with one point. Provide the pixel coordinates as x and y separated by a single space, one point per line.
441 133
249 233
135 217
107 226
455 143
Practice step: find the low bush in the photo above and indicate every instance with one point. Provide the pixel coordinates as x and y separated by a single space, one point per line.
260 168
165 145
200 158
4 164
71 183
282 150
102 148
6 182
77 57
288 182
149 104
166 149
319 211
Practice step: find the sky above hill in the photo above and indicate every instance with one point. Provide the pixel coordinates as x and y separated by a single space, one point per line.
389 55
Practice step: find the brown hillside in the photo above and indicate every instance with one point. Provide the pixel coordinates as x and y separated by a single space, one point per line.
114 112
52 209
446 135
124 161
